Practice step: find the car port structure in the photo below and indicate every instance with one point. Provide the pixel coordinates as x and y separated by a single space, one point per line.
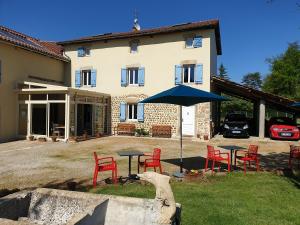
260 99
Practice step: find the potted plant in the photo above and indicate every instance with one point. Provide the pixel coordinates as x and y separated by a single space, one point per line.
144 132
54 138
30 137
73 139
42 139
98 135
138 132
205 137
85 135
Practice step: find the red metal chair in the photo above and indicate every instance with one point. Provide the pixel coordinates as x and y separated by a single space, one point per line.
216 156
152 160
105 164
250 155
294 154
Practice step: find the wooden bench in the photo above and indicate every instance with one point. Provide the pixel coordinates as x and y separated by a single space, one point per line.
125 129
161 131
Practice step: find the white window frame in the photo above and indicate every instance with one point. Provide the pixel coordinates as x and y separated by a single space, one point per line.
189 66
192 43
134 44
86 75
133 112
135 72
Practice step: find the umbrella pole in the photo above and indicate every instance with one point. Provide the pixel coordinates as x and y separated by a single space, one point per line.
181 160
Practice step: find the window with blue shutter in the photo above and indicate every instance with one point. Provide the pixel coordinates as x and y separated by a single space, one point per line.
141 76
77 78
178 74
124 77
122 112
140 112
93 78
199 74
189 42
197 42
81 52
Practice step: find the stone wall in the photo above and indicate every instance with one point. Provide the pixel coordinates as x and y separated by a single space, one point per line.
203 114
161 114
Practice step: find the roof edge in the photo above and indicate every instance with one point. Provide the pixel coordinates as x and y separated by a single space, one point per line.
207 24
61 58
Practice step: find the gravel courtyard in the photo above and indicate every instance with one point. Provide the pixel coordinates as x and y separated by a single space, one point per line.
26 164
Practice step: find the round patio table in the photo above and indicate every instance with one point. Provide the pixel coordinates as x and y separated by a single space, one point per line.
232 149
130 154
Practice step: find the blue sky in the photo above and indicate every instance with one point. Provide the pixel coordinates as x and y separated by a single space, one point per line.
251 30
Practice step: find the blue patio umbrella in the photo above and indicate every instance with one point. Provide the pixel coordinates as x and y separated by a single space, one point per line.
296 104
183 95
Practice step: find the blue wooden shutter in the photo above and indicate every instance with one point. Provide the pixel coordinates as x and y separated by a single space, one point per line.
140 112
80 52
197 43
178 74
77 78
199 74
141 76
0 71
122 111
124 77
93 78
189 42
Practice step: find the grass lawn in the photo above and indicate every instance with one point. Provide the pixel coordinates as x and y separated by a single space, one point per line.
260 199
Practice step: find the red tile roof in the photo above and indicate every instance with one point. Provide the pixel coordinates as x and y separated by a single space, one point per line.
209 24
18 39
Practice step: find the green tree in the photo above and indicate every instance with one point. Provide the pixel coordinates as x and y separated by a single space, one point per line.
252 80
284 78
223 72
236 105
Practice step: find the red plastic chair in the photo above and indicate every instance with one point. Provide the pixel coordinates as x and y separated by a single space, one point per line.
250 155
152 160
294 154
216 156
105 164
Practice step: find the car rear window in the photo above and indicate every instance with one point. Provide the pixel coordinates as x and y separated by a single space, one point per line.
283 121
235 117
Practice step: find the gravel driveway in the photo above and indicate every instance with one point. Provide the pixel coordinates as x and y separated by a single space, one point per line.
26 164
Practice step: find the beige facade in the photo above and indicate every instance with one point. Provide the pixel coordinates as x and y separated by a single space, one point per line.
49 77
18 64
158 55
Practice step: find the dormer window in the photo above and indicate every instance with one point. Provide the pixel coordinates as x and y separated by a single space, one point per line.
134 47
193 42
83 51
189 42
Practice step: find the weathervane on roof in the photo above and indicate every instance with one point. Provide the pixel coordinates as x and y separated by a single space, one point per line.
136 26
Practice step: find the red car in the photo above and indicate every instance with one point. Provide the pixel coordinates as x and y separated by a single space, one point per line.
283 128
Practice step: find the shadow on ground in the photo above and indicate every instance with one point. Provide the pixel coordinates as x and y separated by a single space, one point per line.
195 163
278 162
70 184
272 162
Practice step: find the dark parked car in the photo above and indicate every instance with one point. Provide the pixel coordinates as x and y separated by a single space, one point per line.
236 125
283 128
